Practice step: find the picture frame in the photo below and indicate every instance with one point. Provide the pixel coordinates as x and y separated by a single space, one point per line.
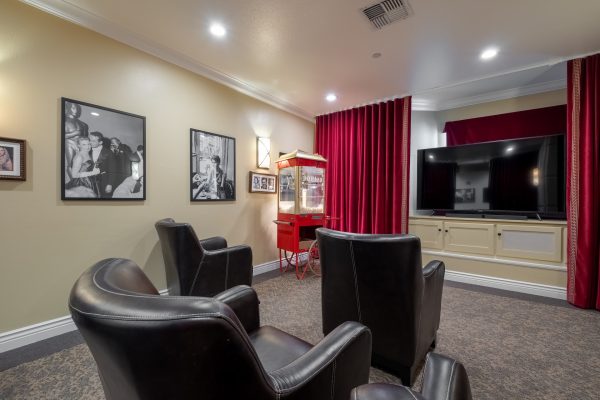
12 159
103 153
464 195
262 183
212 166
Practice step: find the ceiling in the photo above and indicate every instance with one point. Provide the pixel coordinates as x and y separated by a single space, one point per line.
291 53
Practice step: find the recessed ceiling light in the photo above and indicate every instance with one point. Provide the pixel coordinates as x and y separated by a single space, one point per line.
218 30
376 55
331 97
488 54
95 114
431 156
509 149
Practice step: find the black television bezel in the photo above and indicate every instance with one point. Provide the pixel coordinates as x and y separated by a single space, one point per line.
477 213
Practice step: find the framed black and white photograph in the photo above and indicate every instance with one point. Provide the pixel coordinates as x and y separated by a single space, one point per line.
12 159
103 153
464 195
262 183
212 164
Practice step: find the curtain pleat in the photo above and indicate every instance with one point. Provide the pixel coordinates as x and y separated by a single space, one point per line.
368 150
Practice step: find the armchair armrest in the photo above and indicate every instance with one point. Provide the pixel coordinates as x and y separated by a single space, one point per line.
433 274
244 302
347 349
213 243
445 378
432 268
237 260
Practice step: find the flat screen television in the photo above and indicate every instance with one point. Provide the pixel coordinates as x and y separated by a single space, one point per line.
516 177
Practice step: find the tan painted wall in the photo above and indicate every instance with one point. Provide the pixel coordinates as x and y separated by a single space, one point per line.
46 243
530 102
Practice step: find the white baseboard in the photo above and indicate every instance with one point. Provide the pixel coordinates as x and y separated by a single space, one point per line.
537 289
266 267
48 329
35 333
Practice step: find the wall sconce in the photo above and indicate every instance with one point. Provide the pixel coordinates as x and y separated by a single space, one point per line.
263 152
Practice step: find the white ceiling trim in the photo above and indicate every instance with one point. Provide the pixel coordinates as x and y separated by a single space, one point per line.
503 94
74 14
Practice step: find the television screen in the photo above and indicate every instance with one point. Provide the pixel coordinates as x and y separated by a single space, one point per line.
517 175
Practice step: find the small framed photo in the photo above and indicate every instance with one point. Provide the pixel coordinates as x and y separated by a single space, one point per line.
212 166
464 195
262 183
103 153
12 159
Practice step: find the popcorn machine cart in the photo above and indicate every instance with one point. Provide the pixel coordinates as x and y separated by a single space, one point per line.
301 208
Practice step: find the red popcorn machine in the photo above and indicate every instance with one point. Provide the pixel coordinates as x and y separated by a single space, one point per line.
301 209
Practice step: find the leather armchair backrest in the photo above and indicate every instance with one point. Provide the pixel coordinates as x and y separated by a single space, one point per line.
376 280
148 346
182 254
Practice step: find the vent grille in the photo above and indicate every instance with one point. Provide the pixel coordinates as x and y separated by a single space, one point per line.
386 12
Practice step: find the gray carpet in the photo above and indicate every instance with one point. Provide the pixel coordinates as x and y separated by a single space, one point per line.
513 348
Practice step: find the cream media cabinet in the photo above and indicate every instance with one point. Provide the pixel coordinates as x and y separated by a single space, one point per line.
521 255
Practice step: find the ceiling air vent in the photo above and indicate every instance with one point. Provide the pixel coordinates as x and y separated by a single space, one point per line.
386 12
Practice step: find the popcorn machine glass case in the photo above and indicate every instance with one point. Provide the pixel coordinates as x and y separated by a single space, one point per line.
301 205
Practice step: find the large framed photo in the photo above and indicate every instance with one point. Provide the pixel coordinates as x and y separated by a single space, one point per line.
12 159
262 183
212 165
103 153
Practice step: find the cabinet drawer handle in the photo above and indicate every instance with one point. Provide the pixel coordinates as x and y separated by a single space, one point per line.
439 229
499 233
446 230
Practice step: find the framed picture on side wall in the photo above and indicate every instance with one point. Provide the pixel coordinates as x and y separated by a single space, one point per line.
103 153
212 166
12 159
262 183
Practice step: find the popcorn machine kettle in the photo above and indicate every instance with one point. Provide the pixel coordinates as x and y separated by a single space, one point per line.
301 206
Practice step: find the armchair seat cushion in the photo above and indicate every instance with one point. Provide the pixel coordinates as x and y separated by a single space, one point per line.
275 348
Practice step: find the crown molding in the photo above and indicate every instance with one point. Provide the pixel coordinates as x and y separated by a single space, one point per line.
72 13
504 94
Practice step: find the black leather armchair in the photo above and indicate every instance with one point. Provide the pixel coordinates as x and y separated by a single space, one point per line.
148 346
201 267
443 379
378 280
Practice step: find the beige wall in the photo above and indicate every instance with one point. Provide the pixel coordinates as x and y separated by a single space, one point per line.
530 102
45 243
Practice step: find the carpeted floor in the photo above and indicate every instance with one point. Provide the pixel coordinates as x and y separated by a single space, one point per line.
512 348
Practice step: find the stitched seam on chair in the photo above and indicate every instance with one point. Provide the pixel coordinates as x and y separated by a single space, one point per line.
333 381
226 269
409 392
197 273
355 282
333 357
235 326
450 380
426 362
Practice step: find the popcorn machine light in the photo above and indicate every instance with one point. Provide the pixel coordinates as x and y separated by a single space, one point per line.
301 205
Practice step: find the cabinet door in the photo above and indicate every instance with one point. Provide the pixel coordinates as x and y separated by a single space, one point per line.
531 242
430 233
469 237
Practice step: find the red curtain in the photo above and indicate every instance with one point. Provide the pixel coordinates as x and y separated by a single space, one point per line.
583 182
368 151
520 124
